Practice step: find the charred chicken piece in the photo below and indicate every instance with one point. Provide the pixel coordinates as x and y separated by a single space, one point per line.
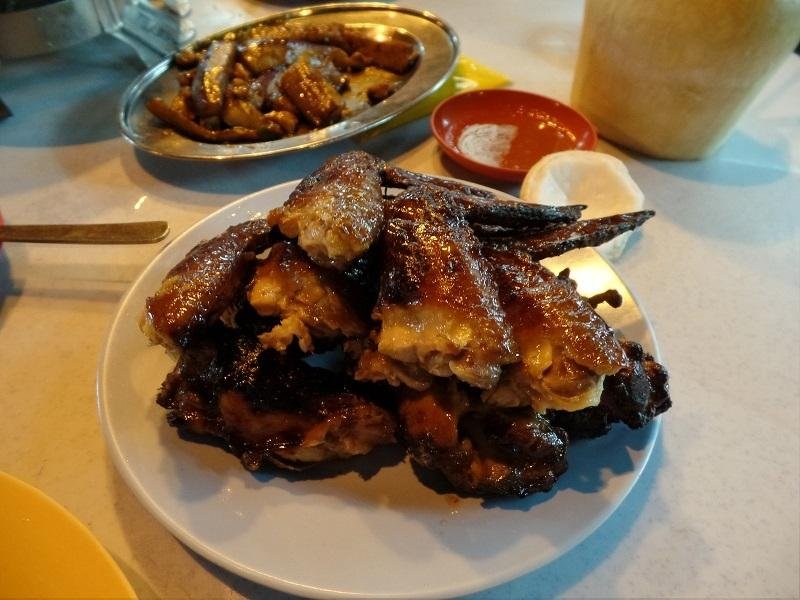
336 213
558 240
197 290
496 452
438 306
482 206
313 303
566 349
318 101
635 395
269 407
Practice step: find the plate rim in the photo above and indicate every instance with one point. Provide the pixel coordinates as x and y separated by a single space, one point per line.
476 584
134 92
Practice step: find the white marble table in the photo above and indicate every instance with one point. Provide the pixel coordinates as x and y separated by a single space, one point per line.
715 513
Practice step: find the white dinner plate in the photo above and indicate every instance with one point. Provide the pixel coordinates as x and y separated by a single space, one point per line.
373 527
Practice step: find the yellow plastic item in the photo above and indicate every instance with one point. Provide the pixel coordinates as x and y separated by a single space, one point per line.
45 552
468 75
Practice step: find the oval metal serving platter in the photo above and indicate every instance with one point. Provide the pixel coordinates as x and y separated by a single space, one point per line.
437 42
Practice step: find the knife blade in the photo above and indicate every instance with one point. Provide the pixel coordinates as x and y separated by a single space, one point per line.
144 232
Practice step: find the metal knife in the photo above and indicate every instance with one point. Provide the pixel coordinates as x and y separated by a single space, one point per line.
146 232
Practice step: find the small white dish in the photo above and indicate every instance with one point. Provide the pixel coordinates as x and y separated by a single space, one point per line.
370 528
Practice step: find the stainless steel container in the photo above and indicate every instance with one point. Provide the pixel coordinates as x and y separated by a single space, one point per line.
32 27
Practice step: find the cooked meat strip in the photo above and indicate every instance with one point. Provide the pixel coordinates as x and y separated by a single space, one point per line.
336 213
197 290
634 395
395 55
558 240
496 452
318 101
313 303
565 346
331 34
211 78
269 407
184 124
438 305
482 206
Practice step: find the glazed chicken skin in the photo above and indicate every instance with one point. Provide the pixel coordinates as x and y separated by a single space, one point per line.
270 407
634 395
497 452
566 348
336 213
312 303
203 285
438 306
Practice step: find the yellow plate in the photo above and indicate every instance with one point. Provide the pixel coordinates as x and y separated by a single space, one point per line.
45 552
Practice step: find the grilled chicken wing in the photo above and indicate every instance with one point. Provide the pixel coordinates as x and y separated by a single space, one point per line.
634 395
270 407
336 213
482 206
312 302
438 305
558 240
494 360
502 451
204 284
566 348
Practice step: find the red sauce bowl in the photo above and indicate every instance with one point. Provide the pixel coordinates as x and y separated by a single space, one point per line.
543 126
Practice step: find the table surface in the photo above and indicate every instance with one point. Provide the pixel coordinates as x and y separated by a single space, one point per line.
715 512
